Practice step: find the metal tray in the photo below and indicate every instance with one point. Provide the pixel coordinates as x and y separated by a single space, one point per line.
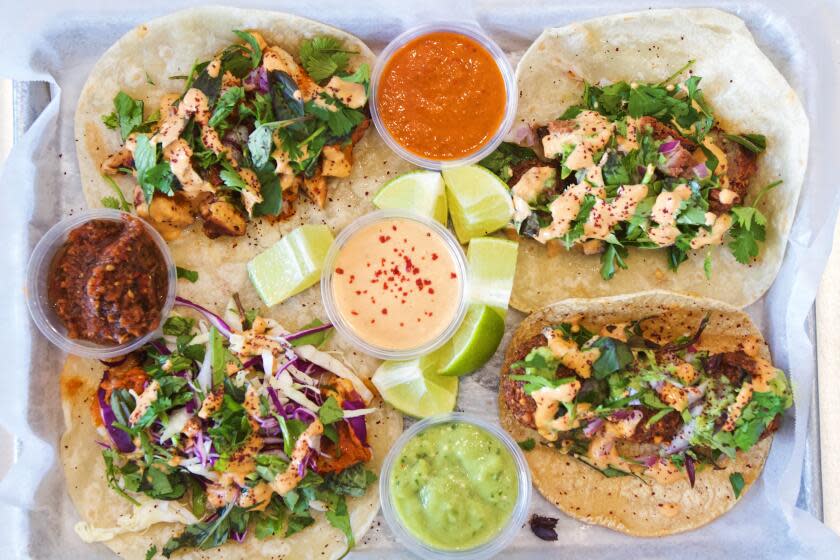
30 98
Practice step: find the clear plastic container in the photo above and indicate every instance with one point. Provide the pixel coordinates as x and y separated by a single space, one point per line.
504 536
328 297
37 274
472 31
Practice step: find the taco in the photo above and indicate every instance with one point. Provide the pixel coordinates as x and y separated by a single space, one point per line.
228 437
649 414
248 124
646 161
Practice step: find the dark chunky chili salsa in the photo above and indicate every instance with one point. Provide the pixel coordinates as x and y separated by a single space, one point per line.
108 282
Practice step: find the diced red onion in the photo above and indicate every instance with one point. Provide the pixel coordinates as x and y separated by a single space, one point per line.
257 80
701 170
214 319
121 439
593 427
668 147
648 460
357 424
239 537
523 135
689 469
682 440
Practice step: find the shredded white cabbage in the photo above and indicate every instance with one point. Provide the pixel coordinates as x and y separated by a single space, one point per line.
329 363
287 386
141 518
176 423
358 412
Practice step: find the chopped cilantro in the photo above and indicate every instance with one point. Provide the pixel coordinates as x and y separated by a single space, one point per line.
324 56
187 274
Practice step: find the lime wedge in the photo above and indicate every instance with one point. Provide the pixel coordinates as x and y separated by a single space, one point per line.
421 192
474 342
413 387
479 202
492 263
292 264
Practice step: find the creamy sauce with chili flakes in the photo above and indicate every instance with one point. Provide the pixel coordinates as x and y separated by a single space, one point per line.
442 96
396 284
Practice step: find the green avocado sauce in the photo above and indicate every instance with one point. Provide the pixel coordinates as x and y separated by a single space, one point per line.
454 486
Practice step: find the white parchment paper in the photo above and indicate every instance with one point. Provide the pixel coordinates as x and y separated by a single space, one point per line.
59 41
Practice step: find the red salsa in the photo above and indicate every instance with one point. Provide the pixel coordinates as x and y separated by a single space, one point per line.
108 282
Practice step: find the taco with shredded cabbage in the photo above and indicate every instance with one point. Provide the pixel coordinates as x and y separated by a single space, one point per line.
229 437
649 414
644 160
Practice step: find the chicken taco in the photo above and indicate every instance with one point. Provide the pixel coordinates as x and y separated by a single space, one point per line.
227 437
227 128
649 414
643 160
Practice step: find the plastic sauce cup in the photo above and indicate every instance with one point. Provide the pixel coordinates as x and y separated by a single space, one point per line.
508 531
37 278
341 323
511 92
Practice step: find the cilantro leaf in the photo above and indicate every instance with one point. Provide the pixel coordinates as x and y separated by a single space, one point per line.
360 76
232 179
324 56
127 115
353 481
187 274
231 426
175 325
152 176
339 517
613 255
341 120
330 412
537 382
272 195
527 444
151 551
505 157
119 202
225 105
736 479
210 534
756 143
256 51
615 356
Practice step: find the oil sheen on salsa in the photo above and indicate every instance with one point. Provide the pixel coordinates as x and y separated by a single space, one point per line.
108 282
442 96
454 486
396 284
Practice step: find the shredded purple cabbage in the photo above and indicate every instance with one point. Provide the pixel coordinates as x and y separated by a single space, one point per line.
356 424
306 332
160 347
214 319
272 393
121 439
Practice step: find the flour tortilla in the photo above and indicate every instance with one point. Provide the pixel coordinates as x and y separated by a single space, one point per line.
747 94
628 504
153 52
101 507
169 46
